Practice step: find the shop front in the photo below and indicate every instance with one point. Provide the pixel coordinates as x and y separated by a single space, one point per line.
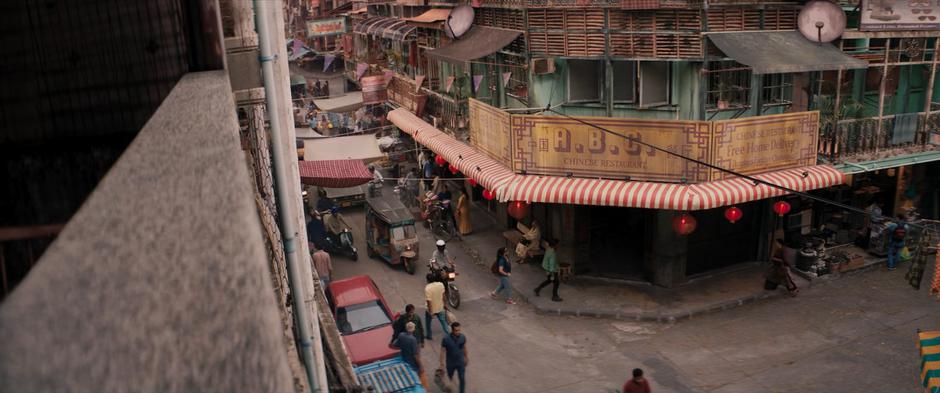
614 203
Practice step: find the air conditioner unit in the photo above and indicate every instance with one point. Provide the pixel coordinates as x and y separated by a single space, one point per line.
543 66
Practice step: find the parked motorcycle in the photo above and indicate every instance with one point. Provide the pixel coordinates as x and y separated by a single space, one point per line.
339 238
446 274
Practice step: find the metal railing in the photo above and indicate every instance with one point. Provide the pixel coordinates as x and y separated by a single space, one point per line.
867 138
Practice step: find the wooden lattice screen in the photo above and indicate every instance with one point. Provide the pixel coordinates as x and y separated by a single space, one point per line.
739 18
500 17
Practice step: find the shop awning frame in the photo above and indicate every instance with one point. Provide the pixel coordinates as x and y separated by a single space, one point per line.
778 52
354 147
510 186
334 173
349 102
385 27
431 16
479 42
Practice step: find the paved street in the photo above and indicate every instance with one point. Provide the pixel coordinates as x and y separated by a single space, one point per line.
855 334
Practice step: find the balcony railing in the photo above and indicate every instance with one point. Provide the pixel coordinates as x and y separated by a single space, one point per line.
864 139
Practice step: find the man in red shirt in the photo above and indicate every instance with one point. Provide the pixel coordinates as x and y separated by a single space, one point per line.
637 384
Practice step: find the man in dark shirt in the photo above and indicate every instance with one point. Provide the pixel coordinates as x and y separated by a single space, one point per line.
409 316
637 384
454 348
410 352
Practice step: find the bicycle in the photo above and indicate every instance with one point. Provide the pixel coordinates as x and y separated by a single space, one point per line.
440 223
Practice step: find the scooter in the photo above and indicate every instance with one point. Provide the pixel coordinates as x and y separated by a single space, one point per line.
341 242
446 274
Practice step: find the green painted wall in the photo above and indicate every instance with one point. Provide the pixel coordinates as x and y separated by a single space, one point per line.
684 95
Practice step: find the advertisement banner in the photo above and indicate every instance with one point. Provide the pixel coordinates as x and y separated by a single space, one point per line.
881 15
551 145
489 130
326 27
765 143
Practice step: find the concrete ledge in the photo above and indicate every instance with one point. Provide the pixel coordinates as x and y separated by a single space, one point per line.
160 282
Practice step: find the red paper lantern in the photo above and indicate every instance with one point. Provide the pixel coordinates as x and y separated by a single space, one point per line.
453 169
781 208
488 195
684 224
473 183
440 160
518 209
733 214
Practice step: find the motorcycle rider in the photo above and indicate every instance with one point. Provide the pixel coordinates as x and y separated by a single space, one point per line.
334 223
441 256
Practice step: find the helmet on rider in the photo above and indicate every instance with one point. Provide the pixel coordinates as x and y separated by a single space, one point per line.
334 209
440 244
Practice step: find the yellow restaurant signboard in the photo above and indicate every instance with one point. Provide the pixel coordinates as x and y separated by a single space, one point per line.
489 130
554 145
765 143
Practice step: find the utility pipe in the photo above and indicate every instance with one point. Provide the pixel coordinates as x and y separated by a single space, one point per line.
852 164
283 193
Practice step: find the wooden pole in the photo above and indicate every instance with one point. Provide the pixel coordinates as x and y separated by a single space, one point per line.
833 141
928 95
881 95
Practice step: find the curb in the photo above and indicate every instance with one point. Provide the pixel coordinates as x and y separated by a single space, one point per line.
668 317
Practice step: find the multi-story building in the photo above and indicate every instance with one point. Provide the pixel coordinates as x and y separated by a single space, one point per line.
732 84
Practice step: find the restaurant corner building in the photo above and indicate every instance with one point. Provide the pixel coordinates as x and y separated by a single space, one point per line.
729 84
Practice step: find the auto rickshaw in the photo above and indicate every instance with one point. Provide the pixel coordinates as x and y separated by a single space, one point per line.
390 231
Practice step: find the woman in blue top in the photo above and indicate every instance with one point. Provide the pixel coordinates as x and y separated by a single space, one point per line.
505 270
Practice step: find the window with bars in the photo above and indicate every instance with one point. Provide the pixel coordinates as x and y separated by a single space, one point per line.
777 88
729 85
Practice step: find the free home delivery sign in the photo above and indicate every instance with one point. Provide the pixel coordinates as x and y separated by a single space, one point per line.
326 27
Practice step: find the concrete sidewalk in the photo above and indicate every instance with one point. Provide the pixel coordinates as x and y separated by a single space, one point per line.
583 296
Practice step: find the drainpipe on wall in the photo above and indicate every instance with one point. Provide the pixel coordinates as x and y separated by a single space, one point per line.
288 232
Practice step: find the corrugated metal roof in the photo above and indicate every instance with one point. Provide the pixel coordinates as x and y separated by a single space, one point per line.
778 52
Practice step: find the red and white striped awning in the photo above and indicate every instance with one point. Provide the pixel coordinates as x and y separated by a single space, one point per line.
490 173
733 191
650 195
510 186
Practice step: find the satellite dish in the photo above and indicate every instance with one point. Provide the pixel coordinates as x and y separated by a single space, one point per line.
459 21
821 21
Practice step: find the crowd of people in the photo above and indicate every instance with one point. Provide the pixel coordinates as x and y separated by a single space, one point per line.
410 333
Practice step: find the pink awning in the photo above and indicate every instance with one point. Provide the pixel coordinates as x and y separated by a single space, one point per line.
334 173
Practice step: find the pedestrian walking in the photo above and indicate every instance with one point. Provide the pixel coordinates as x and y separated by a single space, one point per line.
637 384
779 272
454 351
503 270
463 213
434 297
410 352
897 231
550 265
323 264
326 88
409 316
